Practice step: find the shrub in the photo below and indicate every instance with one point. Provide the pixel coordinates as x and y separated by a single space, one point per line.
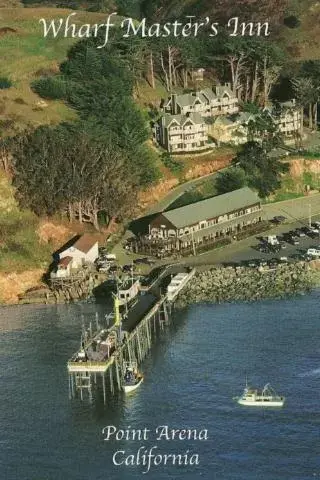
292 21
19 101
5 83
50 87
173 165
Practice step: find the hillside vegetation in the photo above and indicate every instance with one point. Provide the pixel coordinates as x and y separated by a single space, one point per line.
26 56
20 246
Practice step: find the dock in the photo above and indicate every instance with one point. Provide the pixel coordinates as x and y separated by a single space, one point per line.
103 353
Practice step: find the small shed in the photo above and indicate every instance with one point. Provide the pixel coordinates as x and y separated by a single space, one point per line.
64 267
83 250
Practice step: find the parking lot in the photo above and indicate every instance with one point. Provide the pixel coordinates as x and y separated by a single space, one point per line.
245 250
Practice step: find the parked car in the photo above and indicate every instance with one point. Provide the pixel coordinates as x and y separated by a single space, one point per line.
138 261
113 268
273 263
300 233
252 263
278 219
283 259
127 268
313 252
104 269
293 241
263 263
312 233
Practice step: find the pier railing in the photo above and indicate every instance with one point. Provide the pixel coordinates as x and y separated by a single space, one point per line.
133 347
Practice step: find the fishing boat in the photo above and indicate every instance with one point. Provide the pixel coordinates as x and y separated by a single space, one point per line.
266 397
132 378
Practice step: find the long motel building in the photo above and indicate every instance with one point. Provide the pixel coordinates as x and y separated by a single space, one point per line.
207 220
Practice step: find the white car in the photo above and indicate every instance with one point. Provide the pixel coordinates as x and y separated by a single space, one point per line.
313 252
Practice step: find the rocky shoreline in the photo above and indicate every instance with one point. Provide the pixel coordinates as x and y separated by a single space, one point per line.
244 284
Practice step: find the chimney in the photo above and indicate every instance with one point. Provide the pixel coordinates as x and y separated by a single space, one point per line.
174 103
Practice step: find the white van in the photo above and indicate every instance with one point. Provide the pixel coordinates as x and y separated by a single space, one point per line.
272 240
110 257
314 252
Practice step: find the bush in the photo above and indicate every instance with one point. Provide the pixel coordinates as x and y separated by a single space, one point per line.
5 83
50 87
20 101
292 21
173 165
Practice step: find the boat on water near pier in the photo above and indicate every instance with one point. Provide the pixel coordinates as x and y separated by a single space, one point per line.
132 377
177 283
128 292
267 397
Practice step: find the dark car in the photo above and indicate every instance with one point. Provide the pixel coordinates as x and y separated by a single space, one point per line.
127 268
253 263
138 261
273 262
294 241
278 219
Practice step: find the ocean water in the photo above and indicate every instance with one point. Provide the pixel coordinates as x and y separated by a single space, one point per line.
191 377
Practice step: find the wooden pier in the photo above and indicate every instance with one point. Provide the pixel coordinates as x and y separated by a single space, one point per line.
103 353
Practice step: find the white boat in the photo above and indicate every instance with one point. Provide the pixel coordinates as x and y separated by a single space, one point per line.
132 378
267 397
128 291
176 284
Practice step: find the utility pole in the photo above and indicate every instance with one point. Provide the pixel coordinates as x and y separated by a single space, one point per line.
309 215
193 244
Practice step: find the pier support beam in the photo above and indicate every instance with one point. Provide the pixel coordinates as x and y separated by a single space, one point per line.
104 388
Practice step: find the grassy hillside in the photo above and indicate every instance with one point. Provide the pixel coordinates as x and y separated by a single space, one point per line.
26 55
20 247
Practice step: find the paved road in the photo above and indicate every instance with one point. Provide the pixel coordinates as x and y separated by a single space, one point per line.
180 190
295 209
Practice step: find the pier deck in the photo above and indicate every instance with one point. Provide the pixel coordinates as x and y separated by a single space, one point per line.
107 350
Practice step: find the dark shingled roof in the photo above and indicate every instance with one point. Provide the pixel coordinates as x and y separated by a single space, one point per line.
211 207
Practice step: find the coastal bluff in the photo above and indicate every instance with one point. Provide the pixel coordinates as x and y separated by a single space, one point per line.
219 284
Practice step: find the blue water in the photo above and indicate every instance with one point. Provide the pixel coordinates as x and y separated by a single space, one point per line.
190 380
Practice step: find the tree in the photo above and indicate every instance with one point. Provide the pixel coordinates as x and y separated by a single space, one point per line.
263 171
306 95
229 180
63 169
265 130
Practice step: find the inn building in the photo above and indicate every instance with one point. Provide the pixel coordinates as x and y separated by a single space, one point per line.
207 102
288 118
208 220
182 133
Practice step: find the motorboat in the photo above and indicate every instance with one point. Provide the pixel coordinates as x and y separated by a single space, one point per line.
266 397
132 378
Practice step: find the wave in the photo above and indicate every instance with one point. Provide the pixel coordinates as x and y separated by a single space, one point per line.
316 371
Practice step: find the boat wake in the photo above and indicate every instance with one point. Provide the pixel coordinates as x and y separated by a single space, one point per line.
312 373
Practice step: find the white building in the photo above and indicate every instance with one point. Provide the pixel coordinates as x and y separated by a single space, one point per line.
288 118
182 133
209 103
84 250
